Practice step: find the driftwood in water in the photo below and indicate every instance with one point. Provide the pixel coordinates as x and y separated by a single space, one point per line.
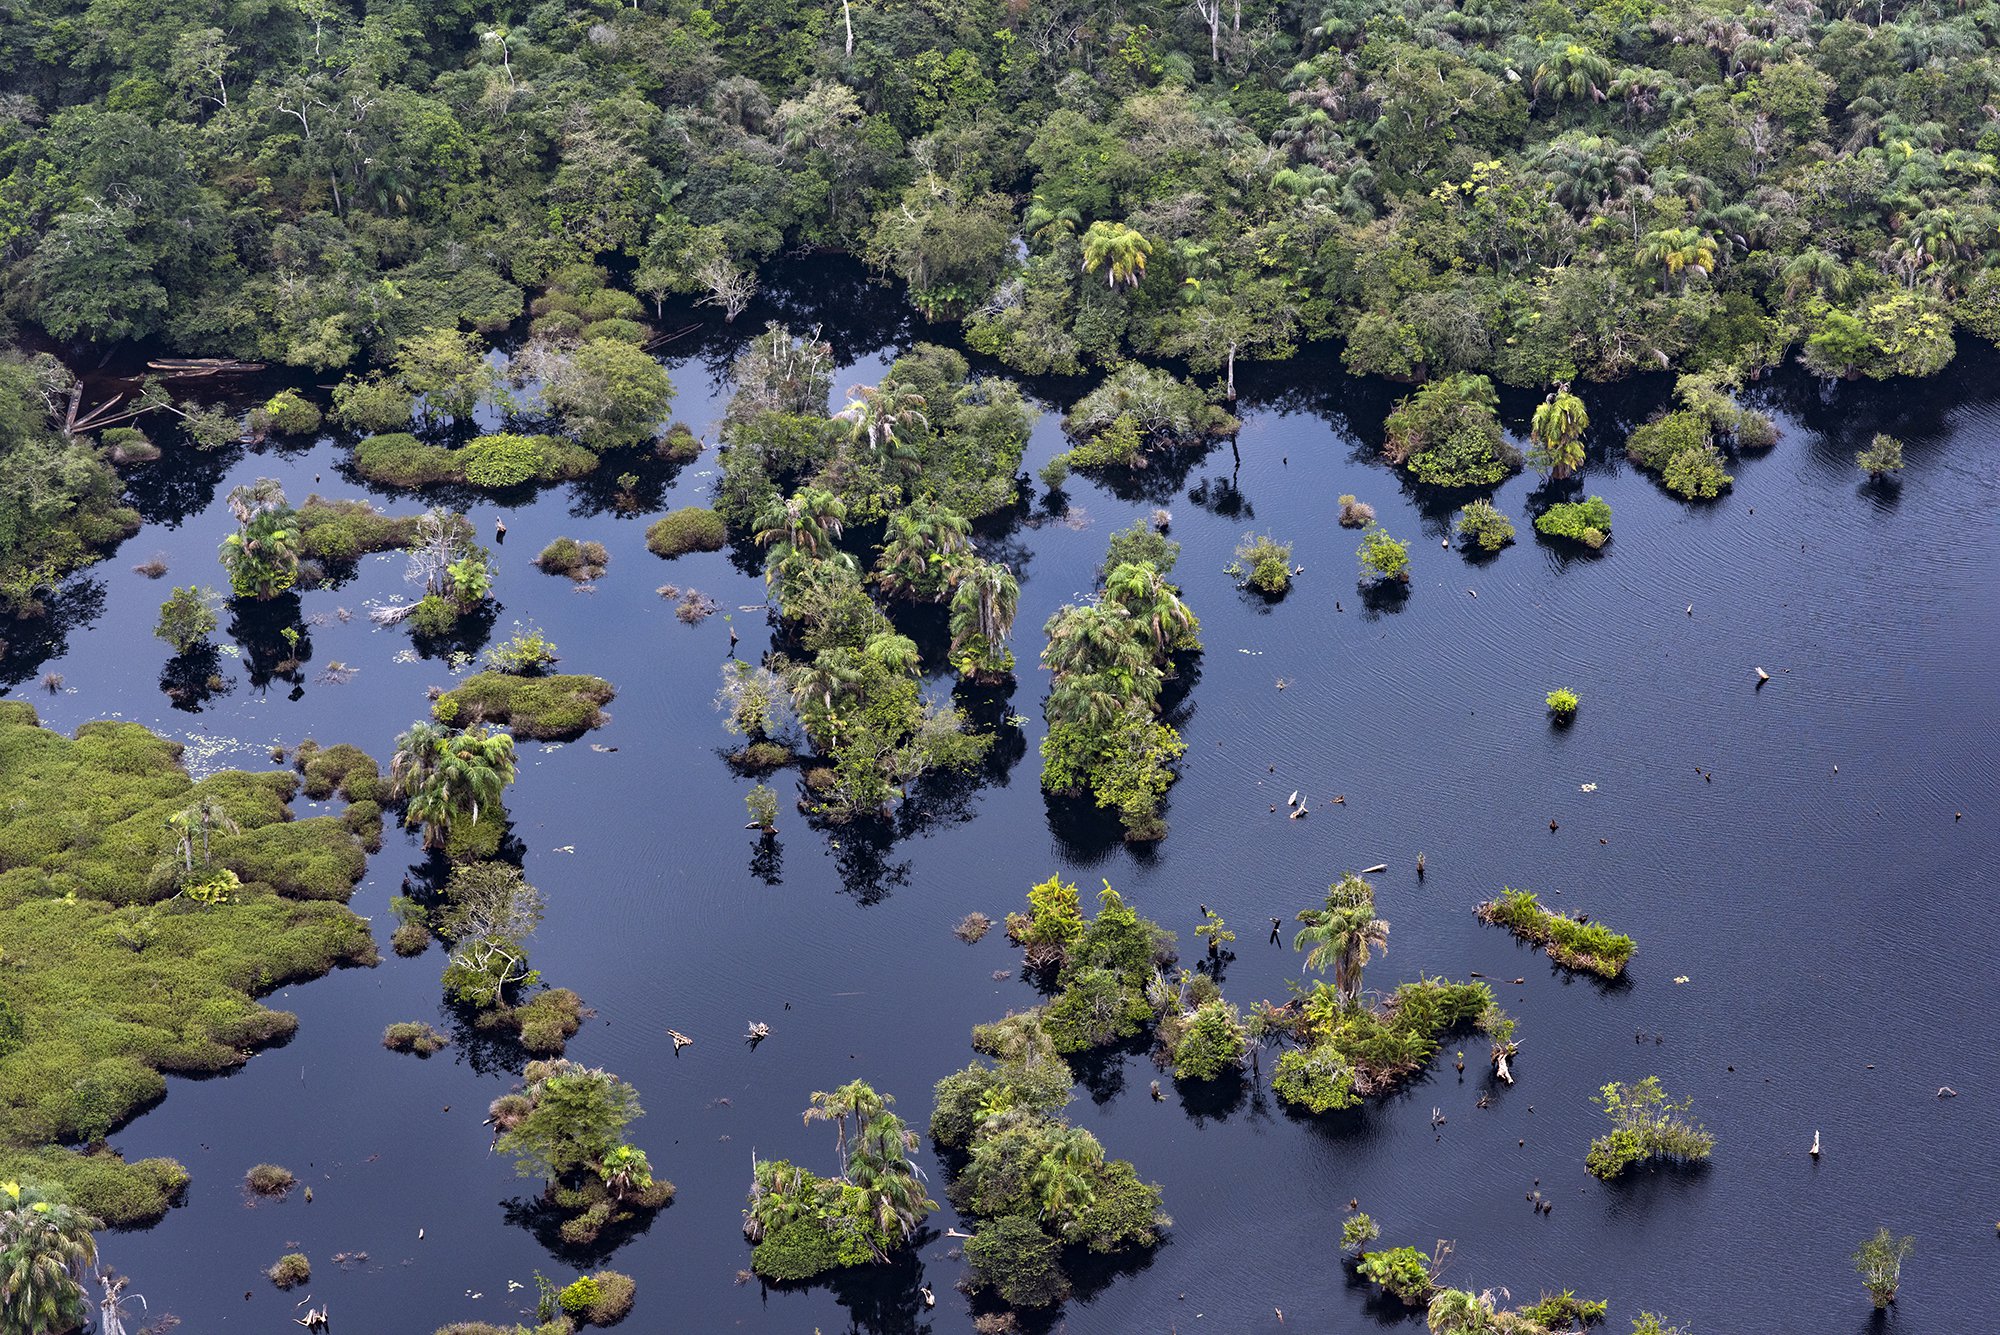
181 368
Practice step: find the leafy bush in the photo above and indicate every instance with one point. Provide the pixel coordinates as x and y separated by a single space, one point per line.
128 445
1263 563
1576 944
1481 525
678 444
344 530
287 412
1587 521
502 460
691 529
291 1270
1355 514
1383 557
1883 456
1152 405
187 618
1448 434
269 1179
1562 702
1212 1044
1696 473
374 404
613 1303
1019 1263
579 1295
1402 1271
1357 1231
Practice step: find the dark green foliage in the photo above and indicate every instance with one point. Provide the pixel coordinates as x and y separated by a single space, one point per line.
1586 521
413 1036
60 504
343 769
1402 1271
550 708
1263 563
1590 946
187 618
345 530
1349 1051
796 1251
567 1126
1448 434
691 529
1482 526
1019 1263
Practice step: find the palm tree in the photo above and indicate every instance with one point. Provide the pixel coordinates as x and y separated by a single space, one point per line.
982 613
1681 251
1046 226
262 557
1118 250
1557 430
208 815
46 1251
875 415
626 1170
1063 1177
1457 1312
1343 934
1155 605
881 1166
1575 72
1095 637
446 778
808 523
856 1099
1815 270
251 499
926 542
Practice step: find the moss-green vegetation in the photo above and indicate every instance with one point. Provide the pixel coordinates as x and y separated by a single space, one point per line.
291 1270
495 462
1571 942
288 413
61 506
1586 521
1483 527
1263 563
1463 1312
413 1036
566 1125
1137 411
602 1299
558 707
805 1225
128 445
1403 1272
340 769
690 529
584 560
1883 457
1357 1231
1646 1123
1448 434
1350 1052
270 1179
143 912
344 530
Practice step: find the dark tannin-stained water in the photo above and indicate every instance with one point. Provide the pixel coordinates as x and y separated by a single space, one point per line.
1835 930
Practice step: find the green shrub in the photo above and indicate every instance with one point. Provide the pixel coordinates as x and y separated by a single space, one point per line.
410 938
1587 521
1448 434
579 1296
1213 1043
526 653
101 1184
413 1036
678 444
345 530
502 460
1883 457
1646 1123
343 769
128 445
551 708
1357 1231
691 529
1118 445
1481 525
399 459
1696 473
1565 1311
1263 563
613 1304
288 413
796 1251
434 617
1562 702
291 1270
374 404
187 618
1354 513
1589 946
548 1020
1653 443
1383 557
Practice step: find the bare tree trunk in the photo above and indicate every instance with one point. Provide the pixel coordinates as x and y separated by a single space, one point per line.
847 17
1232 373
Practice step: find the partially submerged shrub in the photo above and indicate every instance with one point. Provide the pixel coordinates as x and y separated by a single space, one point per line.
1646 1124
1570 941
413 1036
269 1179
578 560
678 444
1448 433
288 413
1355 514
1263 563
1357 1231
1383 557
291 1270
1402 1271
552 708
1562 703
691 529
1481 525
1586 521
1882 458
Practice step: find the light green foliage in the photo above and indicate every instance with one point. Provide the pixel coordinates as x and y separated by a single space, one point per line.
1590 946
1212 1043
115 977
1263 563
1448 434
1383 557
1402 1271
496 461
1357 1231
1883 457
762 804
289 413
525 653
1879 1261
375 404
1647 1123
187 618
1052 924
1562 703
1348 1051
1482 526
1564 1311
1586 521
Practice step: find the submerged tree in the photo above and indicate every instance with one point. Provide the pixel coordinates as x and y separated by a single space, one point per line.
1879 1260
1343 934
983 606
1557 432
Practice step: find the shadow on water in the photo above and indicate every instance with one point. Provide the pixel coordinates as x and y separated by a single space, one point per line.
28 642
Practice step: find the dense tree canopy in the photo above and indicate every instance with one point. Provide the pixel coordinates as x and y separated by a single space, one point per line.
1523 191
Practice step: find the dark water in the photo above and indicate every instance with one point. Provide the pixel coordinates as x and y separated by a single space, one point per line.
1835 929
